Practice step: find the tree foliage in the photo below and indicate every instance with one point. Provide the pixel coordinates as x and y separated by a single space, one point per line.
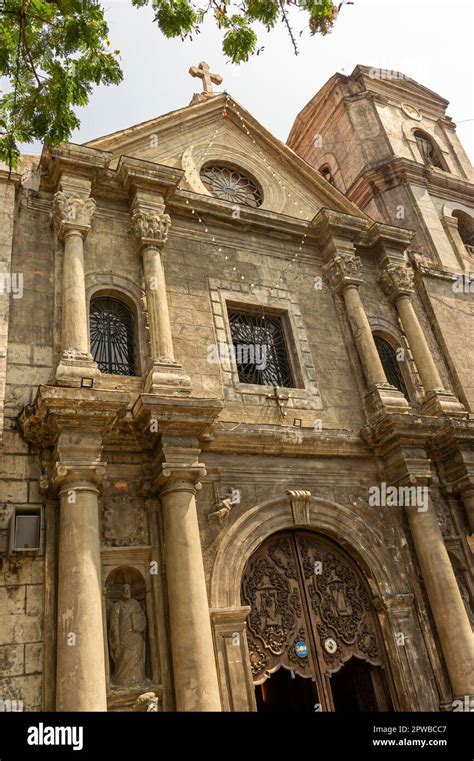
53 52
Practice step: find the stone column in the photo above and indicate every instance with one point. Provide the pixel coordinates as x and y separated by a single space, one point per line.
81 675
452 623
72 215
194 665
344 274
396 280
151 225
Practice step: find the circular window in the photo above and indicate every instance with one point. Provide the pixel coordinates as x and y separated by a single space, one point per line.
231 185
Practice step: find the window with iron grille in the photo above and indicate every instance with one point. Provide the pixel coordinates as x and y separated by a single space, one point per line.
391 365
428 150
112 336
260 349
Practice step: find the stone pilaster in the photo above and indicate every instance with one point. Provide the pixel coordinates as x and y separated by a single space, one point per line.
81 674
150 225
233 659
194 665
73 210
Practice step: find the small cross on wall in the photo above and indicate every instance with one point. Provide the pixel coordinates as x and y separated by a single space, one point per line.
202 71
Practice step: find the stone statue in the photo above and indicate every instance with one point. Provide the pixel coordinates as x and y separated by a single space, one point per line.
127 631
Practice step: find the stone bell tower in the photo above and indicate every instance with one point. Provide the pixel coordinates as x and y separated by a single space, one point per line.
386 142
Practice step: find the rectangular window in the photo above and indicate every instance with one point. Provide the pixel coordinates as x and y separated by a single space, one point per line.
260 349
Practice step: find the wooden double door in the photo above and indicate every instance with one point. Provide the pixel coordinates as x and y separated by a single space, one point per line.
312 632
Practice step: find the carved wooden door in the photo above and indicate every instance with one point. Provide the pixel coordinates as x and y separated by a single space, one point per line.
310 611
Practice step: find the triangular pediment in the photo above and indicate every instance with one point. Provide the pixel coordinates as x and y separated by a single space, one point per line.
218 130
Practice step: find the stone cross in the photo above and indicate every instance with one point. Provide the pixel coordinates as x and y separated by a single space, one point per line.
202 71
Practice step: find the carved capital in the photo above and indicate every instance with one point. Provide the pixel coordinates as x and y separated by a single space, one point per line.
72 213
150 227
396 281
178 477
299 501
343 270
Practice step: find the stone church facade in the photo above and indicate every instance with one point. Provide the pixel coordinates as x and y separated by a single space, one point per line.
236 408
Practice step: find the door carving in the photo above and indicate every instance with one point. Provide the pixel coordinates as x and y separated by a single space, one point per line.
310 610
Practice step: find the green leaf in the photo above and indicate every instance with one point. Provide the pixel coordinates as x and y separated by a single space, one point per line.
175 18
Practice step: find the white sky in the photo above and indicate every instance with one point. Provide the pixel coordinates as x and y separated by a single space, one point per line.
430 41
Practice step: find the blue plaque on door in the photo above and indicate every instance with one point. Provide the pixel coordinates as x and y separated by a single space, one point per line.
301 649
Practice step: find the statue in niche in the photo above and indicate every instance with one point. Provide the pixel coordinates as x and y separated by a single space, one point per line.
127 632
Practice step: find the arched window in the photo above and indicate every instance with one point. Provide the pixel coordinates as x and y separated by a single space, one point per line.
325 170
391 365
112 336
428 150
465 229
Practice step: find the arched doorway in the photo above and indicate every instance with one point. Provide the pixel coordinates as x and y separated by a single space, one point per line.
312 634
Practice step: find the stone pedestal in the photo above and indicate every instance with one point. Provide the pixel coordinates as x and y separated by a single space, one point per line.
72 215
81 675
194 666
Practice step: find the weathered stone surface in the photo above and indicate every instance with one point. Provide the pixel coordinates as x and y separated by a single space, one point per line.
278 458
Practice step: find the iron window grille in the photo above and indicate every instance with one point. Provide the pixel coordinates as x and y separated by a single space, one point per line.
391 365
112 336
231 185
260 349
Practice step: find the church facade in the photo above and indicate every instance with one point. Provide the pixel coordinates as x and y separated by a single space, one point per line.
236 411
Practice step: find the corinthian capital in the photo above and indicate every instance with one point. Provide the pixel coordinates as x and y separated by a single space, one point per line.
396 281
343 270
151 227
72 212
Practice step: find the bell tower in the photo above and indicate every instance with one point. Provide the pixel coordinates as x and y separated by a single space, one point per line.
386 142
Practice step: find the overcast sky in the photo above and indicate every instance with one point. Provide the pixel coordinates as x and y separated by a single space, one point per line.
430 41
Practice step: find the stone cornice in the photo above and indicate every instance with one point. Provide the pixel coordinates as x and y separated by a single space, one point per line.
401 171
73 159
174 416
329 225
133 173
275 441
220 212
7 176
381 236
59 407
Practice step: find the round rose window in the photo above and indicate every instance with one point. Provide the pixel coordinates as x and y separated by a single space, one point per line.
231 185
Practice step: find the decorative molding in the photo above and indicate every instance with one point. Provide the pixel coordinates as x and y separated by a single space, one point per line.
396 281
344 270
150 227
123 522
72 213
299 501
